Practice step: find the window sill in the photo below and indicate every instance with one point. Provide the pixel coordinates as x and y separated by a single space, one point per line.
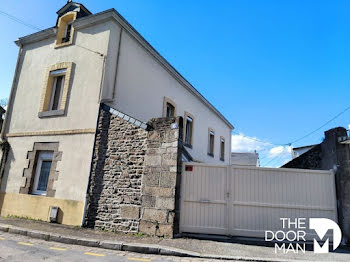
51 113
210 154
63 44
38 194
188 146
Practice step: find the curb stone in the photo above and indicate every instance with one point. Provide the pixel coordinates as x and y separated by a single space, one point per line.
132 247
17 230
111 245
39 235
141 248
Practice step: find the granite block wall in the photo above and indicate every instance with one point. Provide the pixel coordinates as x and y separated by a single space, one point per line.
134 175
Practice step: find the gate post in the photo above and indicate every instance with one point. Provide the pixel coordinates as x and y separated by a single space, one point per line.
229 199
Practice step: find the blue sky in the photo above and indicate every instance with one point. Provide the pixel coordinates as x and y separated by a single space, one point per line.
276 69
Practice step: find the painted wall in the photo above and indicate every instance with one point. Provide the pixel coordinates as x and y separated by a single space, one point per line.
81 113
142 82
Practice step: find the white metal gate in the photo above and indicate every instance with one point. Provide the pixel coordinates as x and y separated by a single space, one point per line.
246 201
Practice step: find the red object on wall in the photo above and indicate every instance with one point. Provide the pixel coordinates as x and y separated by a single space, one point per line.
189 168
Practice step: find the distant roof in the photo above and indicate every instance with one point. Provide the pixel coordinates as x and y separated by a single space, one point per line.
245 159
2 110
301 147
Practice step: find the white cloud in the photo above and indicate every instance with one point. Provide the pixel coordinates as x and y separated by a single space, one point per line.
270 155
242 143
280 150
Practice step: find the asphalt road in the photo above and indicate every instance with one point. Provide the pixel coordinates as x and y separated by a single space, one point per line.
21 248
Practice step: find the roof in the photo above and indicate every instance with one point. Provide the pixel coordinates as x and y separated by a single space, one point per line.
114 15
2 110
246 158
302 147
69 3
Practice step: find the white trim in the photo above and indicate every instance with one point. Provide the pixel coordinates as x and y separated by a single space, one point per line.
44 155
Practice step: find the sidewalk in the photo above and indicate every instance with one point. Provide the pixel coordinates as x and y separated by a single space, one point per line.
142 244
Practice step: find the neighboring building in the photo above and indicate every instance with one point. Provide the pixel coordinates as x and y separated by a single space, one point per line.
2 113
62 76
245 159
332 154
298 151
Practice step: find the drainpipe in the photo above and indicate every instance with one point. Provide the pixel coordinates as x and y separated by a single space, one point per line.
117 64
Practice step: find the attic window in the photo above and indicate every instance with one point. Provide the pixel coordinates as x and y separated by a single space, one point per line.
67 33
65 30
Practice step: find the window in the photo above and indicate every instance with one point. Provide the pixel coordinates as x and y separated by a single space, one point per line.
55 92
42 172
65 29
56 89
188 130
222 149
67 32
169 108
211 137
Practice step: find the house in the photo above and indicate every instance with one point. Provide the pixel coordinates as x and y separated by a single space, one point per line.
298 151
332 154
64 74
2 112
245 158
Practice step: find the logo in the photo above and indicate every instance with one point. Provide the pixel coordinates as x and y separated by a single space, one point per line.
321 226
294 231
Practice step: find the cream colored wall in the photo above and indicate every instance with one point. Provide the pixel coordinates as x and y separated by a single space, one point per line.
84 88
74 168
141 86
81 111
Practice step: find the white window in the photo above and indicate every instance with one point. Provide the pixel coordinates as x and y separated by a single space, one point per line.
58 77
211 143
189 130
222 149
42 172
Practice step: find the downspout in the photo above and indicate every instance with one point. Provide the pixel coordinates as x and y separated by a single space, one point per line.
117 63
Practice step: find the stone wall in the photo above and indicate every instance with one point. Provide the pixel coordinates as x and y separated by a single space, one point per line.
160 178
331 154
134 175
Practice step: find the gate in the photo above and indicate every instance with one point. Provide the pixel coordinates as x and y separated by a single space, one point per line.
246 201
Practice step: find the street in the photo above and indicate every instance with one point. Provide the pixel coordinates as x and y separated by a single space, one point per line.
21 248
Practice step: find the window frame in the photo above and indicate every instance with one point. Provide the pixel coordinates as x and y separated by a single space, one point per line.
190 144
222 148
166 101
42 156
211 146
62 26
45 109
54 88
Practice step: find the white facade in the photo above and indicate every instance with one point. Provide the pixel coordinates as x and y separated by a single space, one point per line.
113 64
